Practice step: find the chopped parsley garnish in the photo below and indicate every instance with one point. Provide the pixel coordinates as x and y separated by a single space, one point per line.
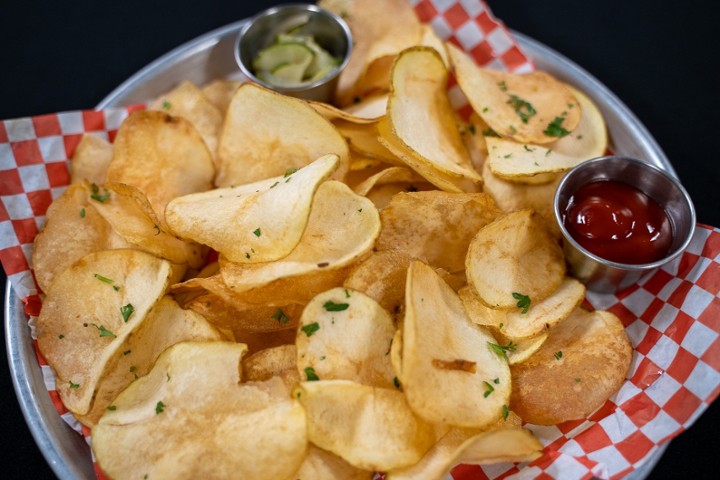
558 355
488 389
166 105
126 311
496 381
578 379
95 193
275 184
331 306
112 408
555 128
524 109
74 386
82 213
104 332
289 172
523 301
506 412
396 382
61 336
280 316
310 329
347 293
489 132
528 149
503 86
107 280
502 349
257 232
133 369
159 407
127 352
311 375
471 129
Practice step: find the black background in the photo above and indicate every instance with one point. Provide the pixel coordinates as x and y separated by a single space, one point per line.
658 57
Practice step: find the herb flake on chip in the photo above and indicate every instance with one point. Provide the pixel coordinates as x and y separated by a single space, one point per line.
104 332
489 389
74 386
555 128
126 311
523 108
523 301
310 328
558 355
96 195
331 306
502 349
159 407
257 232
311 375
280 316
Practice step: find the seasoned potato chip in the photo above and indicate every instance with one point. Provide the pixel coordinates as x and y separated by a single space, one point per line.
129 213
583 362
323 465
363 138
271 362
384 185
435 226
79 338
528 108
165 325
341 229
371 428
346 335
188 101
220 92
443 352
502 445
73 229
257 222
420 115
522 162
538 317
514 261
372 107
382 277
154 145
265 134
190 417
90 160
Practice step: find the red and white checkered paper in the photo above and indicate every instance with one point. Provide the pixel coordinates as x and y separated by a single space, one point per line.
672 317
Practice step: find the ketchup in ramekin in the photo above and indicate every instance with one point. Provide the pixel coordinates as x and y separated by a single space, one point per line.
618 222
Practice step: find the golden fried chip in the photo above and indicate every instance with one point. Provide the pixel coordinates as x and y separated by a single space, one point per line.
371 428
435 226
280 361
190 418
165 325
514 261
220 92
448 363
161 155
80 334
583 362
341 229
257 222
528 108
90 160
320 464
73 229
266 133
188 101
420 115
382 277
346 335
372 107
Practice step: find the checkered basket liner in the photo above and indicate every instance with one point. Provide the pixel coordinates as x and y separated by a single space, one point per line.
671 317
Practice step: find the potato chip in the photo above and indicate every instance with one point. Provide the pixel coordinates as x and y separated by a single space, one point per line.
527 108
589 139
188 101
165 325
515 262
540 316
453 372
154 145
371 428
332 113
346 335
258 222
372 107
272 362
323 465
79 338
435 226
382 277
522 162
363 138
341 229
511 196
90 160
129 213
502 445
265 134
220 92
582 363
374 36
73 229
190 417
384 185
420 115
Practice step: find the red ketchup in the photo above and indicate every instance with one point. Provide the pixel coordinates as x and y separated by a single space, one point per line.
618 223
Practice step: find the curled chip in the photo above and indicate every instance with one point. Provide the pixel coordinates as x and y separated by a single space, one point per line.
435 226
78 339
371 428
190 417
514 262
421 119
342 228
153 145
443 352
344 334
257 222
220 92
381 276
524 163
581 364
323 465
266 134
529 108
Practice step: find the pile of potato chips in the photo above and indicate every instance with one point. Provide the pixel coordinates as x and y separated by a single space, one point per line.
249 285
